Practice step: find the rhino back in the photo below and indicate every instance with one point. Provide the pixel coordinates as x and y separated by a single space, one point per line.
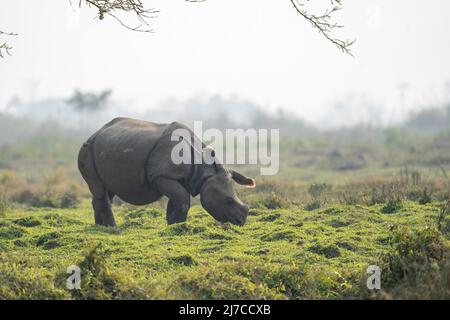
120 151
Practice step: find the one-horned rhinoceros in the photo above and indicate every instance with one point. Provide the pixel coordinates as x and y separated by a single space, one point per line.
132 159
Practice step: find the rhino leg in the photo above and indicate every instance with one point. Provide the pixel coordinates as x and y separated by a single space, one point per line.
101 197
102 211
179 199
111 196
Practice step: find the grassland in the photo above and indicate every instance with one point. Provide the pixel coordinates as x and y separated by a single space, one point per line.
337 206
285 253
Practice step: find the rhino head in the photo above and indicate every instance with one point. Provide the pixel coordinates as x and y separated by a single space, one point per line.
218 197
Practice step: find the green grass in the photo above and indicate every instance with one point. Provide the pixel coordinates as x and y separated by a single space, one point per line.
282 253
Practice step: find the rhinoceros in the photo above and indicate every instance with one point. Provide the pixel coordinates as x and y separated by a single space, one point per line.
132 159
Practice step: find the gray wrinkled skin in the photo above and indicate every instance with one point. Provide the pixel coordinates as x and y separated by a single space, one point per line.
131 159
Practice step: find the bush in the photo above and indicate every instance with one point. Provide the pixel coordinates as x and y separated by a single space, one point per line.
3 206
392 206
319 190
37 197
185 260
21 279
330 251
52 190
4 203
43 239
443 221
100 282
8 233
312 206
69 199
244 279
274 201
27 222
417 265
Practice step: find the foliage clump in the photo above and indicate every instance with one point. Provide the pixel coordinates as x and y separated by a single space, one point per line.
392 206
328 251
279 235
11 232
27 222
99 281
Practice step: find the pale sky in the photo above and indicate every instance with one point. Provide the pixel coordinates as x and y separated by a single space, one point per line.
258 49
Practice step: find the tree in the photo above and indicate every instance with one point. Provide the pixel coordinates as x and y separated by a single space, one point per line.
323 22
89 101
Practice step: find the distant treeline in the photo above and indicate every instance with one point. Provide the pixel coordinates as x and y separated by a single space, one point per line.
83 113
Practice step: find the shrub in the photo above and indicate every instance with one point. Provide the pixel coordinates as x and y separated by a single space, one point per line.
317 191
443 221
100 282
273 194
392 206
312 206
69 199
185 260
52 190
417 265
10 232
279 235
421 195
21 279
351 196
3 205
244 279
270 217
274 201
43 239
180 229
36 198
27 222
330 251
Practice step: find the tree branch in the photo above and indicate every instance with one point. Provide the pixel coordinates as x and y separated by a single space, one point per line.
5 47
110 7
324 23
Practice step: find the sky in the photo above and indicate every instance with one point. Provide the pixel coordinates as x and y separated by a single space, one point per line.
259 50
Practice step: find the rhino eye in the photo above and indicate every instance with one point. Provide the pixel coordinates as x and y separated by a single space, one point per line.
229 200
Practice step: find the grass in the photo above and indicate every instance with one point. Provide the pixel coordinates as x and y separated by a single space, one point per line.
342 200
282 253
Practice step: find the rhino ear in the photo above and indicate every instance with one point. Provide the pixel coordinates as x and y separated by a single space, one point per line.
243 180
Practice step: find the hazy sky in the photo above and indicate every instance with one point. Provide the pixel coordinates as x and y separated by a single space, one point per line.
258 49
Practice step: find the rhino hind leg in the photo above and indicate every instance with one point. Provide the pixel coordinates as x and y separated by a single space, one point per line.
103 213
101 197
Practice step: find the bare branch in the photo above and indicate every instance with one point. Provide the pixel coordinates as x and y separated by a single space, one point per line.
111 7
324 23
5 47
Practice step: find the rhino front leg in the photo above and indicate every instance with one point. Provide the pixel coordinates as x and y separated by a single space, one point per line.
179 199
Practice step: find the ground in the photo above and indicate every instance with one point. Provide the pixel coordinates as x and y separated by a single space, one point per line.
285 253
